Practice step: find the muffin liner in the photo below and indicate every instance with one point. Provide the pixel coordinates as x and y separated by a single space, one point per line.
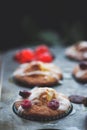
42 118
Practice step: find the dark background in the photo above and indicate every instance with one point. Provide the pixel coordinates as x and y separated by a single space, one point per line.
22 22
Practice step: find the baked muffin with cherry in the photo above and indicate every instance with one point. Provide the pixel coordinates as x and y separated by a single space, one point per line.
80 72
42 104
77 51
37 73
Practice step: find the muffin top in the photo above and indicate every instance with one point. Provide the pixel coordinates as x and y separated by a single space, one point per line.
46 97
77 51
40 69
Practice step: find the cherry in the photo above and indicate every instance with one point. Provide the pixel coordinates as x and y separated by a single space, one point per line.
83 65
45 57
41 53
26 104
41 49
53 104
24 93
25 55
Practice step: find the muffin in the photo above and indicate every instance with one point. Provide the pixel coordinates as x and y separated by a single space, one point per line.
77 51
80 72
42 104
37 73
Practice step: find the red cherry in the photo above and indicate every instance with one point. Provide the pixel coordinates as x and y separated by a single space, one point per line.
24 93
25 55
45 57
26 104
54 104
41 49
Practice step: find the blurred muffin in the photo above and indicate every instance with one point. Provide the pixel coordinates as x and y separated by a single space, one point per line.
77 51
37 73
42 104
80 72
